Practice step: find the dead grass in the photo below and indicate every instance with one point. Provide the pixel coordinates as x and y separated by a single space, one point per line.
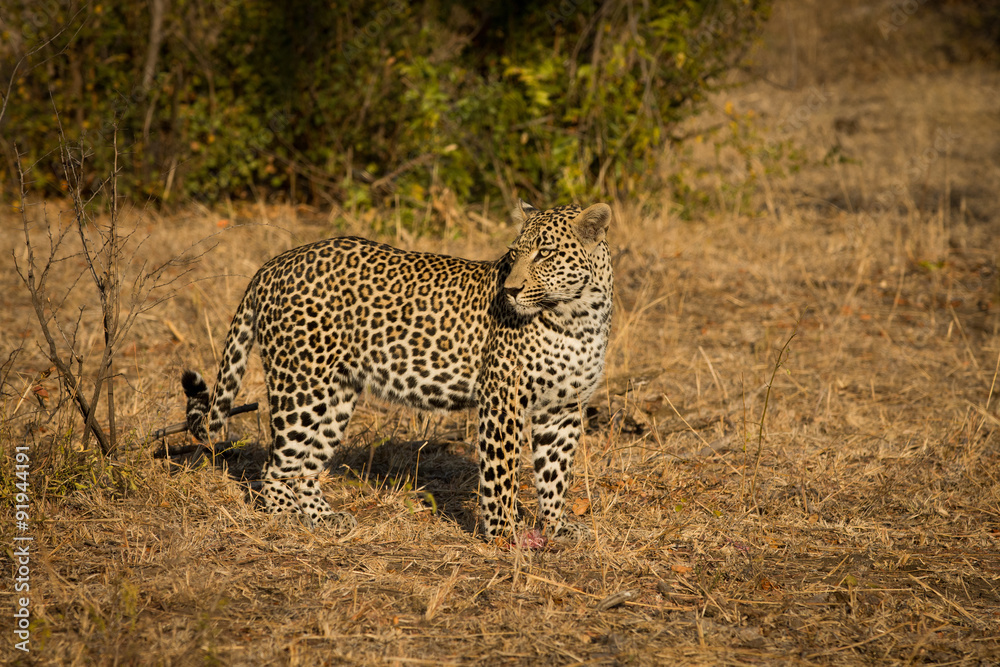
867 532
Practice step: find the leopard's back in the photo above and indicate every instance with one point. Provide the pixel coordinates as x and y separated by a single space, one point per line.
407 326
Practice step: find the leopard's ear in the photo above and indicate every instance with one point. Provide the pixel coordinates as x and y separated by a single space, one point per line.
522 212
592 225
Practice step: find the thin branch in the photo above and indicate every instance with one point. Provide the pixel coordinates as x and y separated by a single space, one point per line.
36 291
763 414
31 52
182 427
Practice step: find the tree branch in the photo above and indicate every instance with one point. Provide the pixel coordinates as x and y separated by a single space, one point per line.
36 291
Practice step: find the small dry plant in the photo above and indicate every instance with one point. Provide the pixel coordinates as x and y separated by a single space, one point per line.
82 267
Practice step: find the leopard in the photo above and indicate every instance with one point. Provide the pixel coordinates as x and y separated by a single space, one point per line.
522 340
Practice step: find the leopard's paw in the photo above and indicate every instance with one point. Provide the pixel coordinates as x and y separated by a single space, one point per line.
572 531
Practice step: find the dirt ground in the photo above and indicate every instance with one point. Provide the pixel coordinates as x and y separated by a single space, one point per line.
795 458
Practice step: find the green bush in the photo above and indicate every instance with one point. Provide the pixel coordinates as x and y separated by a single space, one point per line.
362 102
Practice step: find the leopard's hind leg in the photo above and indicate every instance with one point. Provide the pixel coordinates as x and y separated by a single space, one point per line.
308 429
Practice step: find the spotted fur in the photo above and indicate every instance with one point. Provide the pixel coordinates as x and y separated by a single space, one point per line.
522 339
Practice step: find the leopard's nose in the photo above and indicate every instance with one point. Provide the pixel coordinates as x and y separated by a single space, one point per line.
512 291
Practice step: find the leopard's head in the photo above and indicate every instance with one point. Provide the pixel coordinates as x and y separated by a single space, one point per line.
558 258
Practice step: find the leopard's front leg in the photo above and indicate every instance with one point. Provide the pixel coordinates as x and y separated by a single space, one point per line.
500 431
554 440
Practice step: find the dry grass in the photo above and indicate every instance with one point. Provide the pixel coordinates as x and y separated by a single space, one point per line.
861 525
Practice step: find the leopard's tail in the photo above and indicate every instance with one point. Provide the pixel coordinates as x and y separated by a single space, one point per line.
239 342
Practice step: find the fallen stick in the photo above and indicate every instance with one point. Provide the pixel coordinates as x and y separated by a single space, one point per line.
218 449
181 427
166 452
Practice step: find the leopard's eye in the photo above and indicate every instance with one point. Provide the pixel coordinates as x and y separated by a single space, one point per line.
513 254
544 253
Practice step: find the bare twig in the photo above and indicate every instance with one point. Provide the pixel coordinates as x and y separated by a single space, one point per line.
107 251
33 51
36 289
763 414
103 273
181 427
